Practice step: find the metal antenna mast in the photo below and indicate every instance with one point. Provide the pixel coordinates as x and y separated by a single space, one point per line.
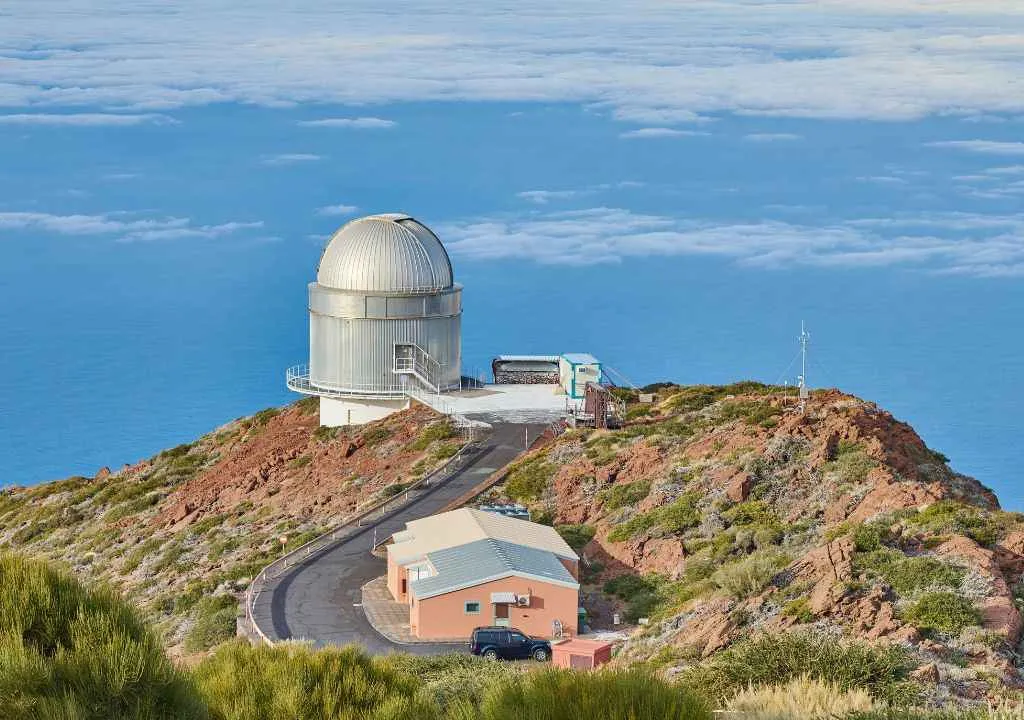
804 339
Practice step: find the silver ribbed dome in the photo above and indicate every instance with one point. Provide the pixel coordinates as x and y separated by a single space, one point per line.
391 253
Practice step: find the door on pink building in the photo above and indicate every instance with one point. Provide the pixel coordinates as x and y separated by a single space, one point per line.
501 614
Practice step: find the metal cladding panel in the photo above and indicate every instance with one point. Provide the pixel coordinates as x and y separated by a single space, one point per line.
386 254
358 354
338 303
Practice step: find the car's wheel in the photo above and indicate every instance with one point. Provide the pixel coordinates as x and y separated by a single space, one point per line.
540 654
490 654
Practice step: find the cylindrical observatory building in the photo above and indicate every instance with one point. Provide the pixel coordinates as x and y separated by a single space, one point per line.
385 317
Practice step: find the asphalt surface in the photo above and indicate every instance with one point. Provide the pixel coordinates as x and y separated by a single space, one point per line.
318 600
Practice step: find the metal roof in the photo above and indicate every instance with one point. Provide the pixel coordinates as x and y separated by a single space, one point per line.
538 358
581 359
485 560
466 525
390 253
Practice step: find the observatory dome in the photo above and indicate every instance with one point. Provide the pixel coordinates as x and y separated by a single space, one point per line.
391 253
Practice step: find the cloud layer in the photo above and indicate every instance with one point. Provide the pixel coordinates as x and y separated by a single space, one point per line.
951 243
358 123
650 62
86 119
120 226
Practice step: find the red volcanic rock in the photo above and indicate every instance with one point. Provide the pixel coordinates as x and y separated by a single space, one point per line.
261 465
998 610
739 487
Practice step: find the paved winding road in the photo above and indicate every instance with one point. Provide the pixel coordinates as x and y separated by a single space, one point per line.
318 599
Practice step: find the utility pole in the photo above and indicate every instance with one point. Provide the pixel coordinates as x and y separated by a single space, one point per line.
804 393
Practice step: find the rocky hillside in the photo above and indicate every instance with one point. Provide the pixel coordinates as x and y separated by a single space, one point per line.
182 533
717 512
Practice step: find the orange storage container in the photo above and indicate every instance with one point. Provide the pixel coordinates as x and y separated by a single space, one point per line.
580 654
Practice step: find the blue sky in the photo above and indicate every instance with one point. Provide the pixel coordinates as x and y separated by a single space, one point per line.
686 181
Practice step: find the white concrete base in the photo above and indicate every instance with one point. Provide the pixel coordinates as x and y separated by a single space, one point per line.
335 413
504 403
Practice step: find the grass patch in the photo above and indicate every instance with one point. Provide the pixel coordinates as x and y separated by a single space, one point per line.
576 535
944 612
679 515
555 694
444 451
753 412
73 652
907 575
852 464
799 609
528 479
241 682
749 576
619 496
263 417
309 405
375 436
300 462
652 596
393 489
141 553
442 430
772 658
950 516
214 623
325 434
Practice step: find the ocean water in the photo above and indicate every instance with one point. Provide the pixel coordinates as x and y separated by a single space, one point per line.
114 347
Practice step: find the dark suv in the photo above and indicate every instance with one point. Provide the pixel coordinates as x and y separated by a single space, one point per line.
508 644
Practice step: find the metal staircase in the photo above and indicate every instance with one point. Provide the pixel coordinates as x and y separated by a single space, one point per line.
413 361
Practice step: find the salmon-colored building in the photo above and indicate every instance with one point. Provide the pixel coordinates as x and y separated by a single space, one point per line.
467 568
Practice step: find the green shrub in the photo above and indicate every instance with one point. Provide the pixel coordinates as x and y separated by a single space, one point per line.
752 412
675 517
576 535
851 463
300 462
393 489
555 694
649 595
867 537
452 679
799 609
950 516
944 612
905 574
800 699
444 451
629 586
214 623
376 435
325 434
309 405
749 576
82 654
638 411
442 430
171 554
752 512
242 682
141 553
265 416
528 479
618 496
176 451
772 658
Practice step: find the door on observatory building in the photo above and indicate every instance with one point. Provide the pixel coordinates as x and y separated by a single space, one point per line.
405 357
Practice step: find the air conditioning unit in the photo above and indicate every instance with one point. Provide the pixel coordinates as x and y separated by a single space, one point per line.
523 600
